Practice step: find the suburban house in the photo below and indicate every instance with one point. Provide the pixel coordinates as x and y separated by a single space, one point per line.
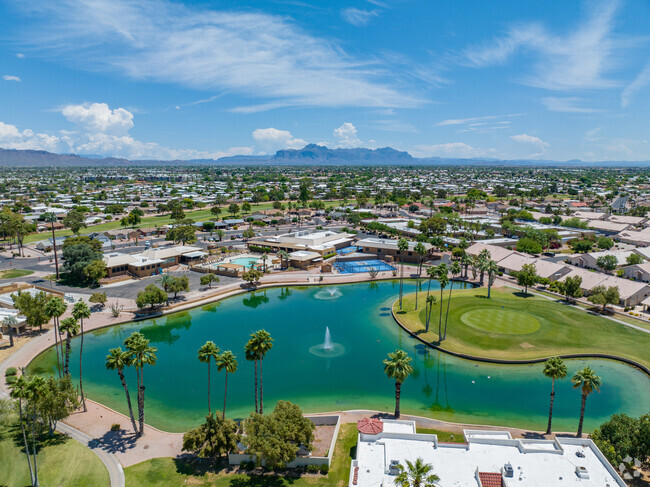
383 247
589 260
631 292
150 262
321 241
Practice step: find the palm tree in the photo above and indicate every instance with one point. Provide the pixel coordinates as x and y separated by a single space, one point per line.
80 311
264 258
34 389
492 268
252 354
19 391
421 250
431 273
402 246
10 321
264 344
117 359
455 269
443 279
465 261
70 327
165 281
398 367
284 257
54 308
587 380
554 368
206 353
416 474
483 257
140 354
228 362
431 301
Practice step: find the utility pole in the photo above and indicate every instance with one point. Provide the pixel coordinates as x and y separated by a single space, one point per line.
56 259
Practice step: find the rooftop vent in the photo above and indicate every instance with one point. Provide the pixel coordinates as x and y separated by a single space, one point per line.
582 472
508 470
393 468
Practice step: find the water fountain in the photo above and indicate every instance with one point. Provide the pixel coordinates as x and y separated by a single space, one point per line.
328 293
328 348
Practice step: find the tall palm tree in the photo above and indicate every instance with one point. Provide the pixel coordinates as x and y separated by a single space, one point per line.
443 279
54 308
284 258
10 322
492 268
264 258
398 367
455 269
80 311
35 388
431 301
554 368
19 391
416 474
206 353
117 359
140 353
252 354
228 362
421 250
431 273
264 344
587 380
70 327
465 261
402 246
483 257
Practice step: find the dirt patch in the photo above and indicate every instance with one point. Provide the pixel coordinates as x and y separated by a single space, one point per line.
322 440
526 345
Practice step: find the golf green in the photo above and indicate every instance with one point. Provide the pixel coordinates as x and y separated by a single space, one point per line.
503 321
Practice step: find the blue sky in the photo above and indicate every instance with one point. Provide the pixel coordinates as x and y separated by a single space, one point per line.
169 79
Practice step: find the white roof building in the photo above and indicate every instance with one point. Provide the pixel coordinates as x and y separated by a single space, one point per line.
486 459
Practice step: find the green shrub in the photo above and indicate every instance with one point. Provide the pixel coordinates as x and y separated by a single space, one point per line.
11 379
324 468
330 255
115 427
11 371
312 468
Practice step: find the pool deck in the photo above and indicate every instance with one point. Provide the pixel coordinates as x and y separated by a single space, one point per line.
97 421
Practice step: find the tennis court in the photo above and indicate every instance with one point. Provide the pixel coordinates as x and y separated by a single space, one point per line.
357 267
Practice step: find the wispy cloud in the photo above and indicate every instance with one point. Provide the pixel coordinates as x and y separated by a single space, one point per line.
9 77
451 149
272 139
257 55
582 58
474 120
569 104
639 83
358 17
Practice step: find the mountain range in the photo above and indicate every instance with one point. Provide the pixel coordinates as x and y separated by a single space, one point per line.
311 154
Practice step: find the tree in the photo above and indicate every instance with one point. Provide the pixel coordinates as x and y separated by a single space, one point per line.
416 474
570 287
246 207
10 322
274 440
183 233
402 246
35 388
32 307
20 393
527 276
208 226
634 259
263 344
117 359
607 262
430 303
601 295
207 352
51 217
177 212
443 279
252 355
398 367
70 327
20 229
581 246
248 233
98 298
178 284
151 296
554 368
54 309
605 243
57 400
455 269
233 209
95 271
215 210
622 436
78 253
75 221
252 275
214 438
208 279
587 380
80 311
492 270
529 246
226 361
140 353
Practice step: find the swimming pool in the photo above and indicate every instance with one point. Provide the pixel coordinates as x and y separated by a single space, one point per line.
357 267
245 261
347 250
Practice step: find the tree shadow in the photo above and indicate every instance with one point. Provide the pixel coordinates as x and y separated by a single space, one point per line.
114 441
188 464
521 294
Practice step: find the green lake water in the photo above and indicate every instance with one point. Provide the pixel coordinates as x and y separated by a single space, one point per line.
360 322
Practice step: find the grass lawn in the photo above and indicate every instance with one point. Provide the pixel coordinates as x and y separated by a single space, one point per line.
170 472
512 326
444 436
62 461
14 273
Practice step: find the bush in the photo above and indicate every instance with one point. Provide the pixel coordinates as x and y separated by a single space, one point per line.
115 427
248 466
324 468
328 256
11 371
10 379
261 250
312 468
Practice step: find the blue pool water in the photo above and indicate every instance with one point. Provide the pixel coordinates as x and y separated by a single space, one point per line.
347 250
362 266
245 261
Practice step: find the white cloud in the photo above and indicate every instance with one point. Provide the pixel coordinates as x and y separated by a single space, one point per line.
358 17
451 149
567 105
592 135
99 118
639 83
579 59
13 138
9 77
251 53
272 139
20 55
480 124
536 142
346 136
